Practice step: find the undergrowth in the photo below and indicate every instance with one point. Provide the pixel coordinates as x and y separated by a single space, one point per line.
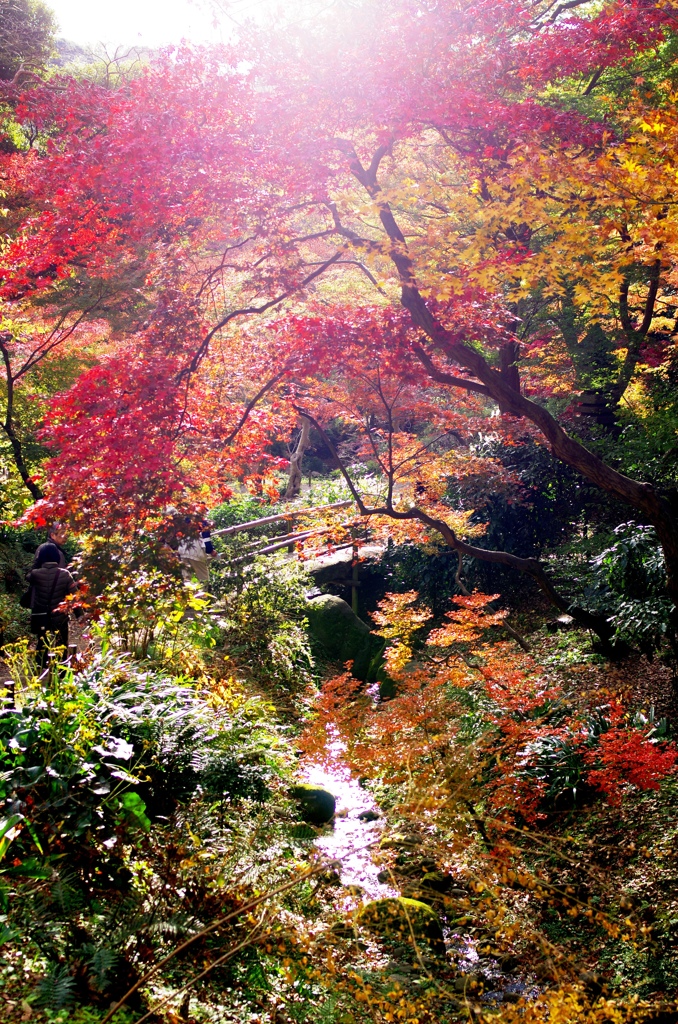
149 848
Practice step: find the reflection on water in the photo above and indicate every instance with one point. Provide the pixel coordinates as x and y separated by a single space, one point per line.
348 839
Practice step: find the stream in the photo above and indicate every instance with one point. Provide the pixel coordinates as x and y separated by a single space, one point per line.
352 839
348 843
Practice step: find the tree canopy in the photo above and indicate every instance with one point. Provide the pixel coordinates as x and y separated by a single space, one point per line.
27 30
473 203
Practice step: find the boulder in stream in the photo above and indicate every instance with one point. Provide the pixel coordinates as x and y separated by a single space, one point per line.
431 888
317 804
402 918
398 841
333 624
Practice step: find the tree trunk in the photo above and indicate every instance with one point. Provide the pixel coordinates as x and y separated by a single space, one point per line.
654 507
17 453
8 426
295 477
508 357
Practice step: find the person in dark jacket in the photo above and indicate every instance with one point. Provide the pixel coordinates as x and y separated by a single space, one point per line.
49 584
57 535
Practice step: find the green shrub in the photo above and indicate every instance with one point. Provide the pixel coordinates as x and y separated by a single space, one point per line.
241 509
627 583
88 1015
99 770
148 612
15 559
88 757
63 770
264 620
14 620
555 759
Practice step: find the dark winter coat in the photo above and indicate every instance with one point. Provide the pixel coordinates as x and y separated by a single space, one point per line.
49 586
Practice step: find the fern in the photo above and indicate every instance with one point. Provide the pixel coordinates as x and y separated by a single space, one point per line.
101 964
171 925
65 895
328 1012
56 990
255 978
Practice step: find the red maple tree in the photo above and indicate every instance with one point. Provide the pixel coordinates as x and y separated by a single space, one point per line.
288 158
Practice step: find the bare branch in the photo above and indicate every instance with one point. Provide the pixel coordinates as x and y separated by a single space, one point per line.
655 272
446 378
208 930
251 310
361 266
55 338
593 82
566 5
247 941
251 404
8 425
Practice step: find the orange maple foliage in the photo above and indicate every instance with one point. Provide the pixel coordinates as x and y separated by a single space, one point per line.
476 721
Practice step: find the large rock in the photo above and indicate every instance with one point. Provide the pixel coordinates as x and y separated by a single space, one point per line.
335 568
403 918
345 637
317 804
387 687
437 881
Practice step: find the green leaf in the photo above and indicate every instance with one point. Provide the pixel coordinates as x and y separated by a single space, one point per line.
6 826
135 809
30 868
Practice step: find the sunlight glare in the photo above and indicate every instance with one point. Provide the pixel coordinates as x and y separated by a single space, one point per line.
133 22
155 23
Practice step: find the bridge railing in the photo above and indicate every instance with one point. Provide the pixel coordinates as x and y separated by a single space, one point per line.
279 518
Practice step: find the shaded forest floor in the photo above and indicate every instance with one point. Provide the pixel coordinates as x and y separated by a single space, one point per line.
579 920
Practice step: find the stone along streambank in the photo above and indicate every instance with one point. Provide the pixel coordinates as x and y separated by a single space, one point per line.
405 915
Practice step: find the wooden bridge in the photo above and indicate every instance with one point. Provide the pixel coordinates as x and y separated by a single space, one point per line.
325 568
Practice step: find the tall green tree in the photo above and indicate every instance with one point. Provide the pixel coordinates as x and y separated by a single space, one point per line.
27 30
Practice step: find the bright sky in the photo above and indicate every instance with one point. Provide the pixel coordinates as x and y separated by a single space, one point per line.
133 22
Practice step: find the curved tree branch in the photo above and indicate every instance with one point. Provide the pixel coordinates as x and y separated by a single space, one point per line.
203 348
531 567
643 497
8 425
447 378
251 404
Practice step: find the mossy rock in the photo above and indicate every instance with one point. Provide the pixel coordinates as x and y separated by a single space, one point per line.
335 626
401 918
317 804
415 892
437 881
387 687
398 841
